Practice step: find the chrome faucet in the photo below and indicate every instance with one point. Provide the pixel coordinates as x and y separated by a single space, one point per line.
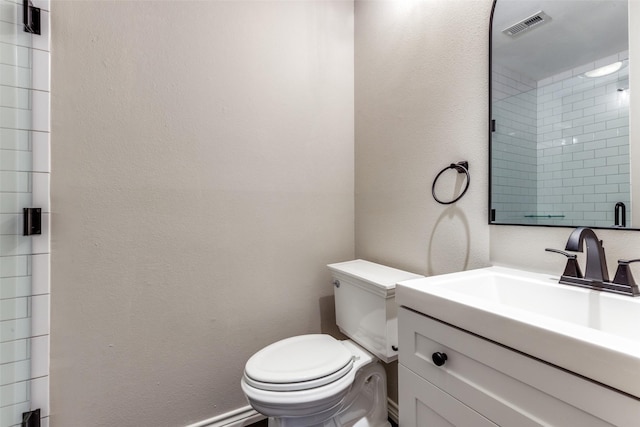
596 268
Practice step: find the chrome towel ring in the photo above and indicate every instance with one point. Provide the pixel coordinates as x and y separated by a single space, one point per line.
461 167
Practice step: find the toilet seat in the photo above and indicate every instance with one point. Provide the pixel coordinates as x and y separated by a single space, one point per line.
299 363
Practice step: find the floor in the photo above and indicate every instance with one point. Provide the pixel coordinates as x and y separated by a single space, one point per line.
264 423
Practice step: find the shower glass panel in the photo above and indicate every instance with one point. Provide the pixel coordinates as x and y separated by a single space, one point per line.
16 106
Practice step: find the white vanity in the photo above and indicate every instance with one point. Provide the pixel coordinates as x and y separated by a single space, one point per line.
504 347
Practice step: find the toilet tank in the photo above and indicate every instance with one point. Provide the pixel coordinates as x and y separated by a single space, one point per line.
366 310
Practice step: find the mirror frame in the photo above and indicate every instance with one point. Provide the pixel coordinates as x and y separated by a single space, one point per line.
490 218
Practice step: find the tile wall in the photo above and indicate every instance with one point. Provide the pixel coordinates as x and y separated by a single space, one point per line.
24 181
561 147
514 146
583 145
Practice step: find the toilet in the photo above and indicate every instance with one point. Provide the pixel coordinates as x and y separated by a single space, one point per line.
316 380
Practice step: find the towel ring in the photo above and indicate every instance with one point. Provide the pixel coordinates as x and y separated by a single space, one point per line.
461 167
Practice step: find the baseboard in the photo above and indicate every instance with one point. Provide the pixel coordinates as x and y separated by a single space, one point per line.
392 408
245 416
239 418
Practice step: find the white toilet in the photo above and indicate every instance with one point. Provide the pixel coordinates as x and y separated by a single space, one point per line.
318 381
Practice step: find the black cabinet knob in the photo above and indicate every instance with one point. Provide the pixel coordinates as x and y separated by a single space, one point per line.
439 358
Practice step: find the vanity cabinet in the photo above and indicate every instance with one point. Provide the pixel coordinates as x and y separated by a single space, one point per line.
482 383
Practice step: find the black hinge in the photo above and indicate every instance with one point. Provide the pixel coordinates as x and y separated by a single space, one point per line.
493 125
32 221
493 215
31 418
30 17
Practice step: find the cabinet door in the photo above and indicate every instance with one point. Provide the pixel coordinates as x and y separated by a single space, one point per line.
509 388
425 405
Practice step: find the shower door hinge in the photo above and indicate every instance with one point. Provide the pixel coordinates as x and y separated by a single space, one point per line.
32 221
31 418
30 17
493 125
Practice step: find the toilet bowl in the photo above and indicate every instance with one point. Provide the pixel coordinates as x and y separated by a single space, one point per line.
316 380
312 380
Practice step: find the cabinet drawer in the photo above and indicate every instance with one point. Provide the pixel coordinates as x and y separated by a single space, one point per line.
507 387
424 404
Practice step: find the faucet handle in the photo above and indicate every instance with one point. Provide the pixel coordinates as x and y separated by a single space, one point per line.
623 273
572 269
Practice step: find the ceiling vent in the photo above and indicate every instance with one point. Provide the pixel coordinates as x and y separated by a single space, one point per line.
527 24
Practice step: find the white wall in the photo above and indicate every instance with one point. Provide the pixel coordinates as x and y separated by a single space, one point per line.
421 104
203 177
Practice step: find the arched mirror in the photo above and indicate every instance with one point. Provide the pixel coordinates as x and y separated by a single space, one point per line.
559 112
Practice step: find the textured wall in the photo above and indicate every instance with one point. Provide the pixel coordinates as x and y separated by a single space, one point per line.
421 104
232 124
203 158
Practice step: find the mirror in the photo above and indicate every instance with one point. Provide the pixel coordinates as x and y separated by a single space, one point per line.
559 111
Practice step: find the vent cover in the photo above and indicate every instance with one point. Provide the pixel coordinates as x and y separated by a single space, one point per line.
527 24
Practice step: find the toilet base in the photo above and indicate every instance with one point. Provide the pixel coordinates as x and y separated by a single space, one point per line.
365 405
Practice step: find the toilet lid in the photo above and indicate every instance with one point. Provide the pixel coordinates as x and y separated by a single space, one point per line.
299 363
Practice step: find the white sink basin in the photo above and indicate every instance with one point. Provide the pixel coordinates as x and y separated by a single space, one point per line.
591 333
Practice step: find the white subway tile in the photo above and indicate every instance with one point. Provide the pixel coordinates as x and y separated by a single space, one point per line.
14 245
39 356
618 160
14 139
596 109
14 182
606 170
14 394
588 120
15 287
40 315
40 189
13 308
14 97
586 103
41 111
14 118
14 202
41 151
41 73
618 123
606 134
15 329
14 372
40 395
13 160
595 180
40 273
572 98
13 266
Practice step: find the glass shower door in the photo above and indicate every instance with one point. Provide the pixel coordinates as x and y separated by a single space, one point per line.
16 180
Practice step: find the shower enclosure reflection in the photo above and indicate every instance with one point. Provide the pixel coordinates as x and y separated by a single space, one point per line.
560 113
